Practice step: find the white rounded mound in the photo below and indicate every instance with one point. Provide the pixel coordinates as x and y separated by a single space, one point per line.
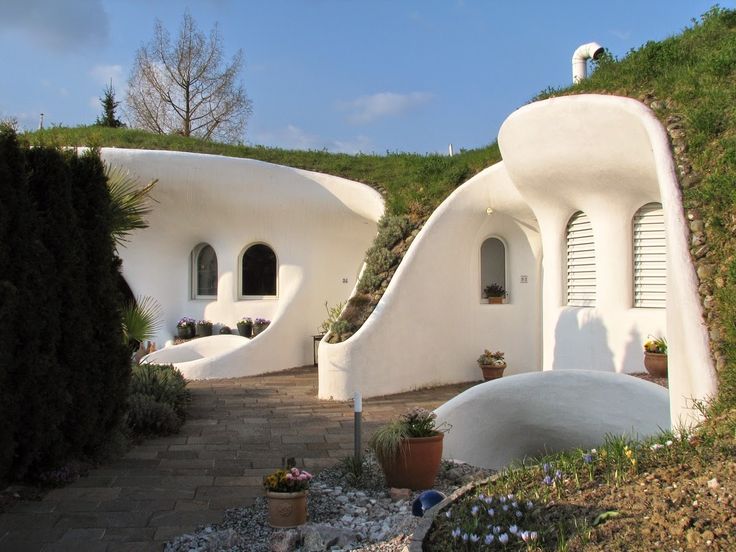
527 415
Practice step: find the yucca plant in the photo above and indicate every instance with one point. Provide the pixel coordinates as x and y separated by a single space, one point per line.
129 202
141 321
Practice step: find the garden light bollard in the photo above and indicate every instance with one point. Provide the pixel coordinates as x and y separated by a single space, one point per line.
358 409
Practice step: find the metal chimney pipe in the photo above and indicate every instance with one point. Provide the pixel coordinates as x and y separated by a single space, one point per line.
591 50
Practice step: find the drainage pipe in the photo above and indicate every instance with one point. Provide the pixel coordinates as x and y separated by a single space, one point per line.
591 50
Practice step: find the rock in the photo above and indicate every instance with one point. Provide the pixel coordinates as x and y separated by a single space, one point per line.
327 536
713 483
284 541
399 494
312 540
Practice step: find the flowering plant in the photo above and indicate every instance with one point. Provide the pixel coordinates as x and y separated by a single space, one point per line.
492 359
420 422
185 322
656 345
204 323
245 320
292 481
261 321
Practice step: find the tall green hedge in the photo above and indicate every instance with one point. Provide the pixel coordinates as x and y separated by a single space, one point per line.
64 369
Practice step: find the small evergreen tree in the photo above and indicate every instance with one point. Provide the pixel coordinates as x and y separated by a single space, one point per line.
109 105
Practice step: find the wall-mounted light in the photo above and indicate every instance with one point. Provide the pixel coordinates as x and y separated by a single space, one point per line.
489 211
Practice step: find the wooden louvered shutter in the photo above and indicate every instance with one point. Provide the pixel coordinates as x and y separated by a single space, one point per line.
650 257
580 261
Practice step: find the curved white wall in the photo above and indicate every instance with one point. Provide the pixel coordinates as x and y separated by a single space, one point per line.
533 414
608 156
431 324
319 226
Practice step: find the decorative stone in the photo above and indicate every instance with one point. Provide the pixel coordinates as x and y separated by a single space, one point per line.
697 225
705 271
284 541
399 494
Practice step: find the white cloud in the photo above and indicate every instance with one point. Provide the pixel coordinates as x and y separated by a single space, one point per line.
103 74
58 26
293 137
367 109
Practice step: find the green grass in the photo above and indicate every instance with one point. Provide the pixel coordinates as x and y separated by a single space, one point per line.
411 181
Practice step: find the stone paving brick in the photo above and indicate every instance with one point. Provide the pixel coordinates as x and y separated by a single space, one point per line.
237 431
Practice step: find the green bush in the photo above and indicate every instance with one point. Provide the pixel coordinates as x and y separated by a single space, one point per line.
163 383
147 416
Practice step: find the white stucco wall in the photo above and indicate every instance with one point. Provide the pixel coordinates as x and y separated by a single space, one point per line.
608 156
528 415
319 226
431 325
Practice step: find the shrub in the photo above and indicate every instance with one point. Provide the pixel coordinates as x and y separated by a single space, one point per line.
163 383
147 416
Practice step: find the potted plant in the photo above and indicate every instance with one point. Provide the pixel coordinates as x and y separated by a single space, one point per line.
492 364
286 492
260 324
409 449
185 328
495 293
245 326
204 328
655 356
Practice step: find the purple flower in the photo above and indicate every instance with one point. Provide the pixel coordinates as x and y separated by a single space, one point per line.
513 529
489 539
465 537
518 514
474 510
491 512
558 474
448 514
524 536
545 467
474 538
503 538
502 499
455 532
587 458
547 480
505 507
496 529
529 505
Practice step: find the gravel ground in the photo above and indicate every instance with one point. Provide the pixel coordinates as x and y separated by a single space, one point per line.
345 513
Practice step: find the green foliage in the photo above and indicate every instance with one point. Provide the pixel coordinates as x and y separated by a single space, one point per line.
63 367
386 441
130 202
141 320
163 383
109 105
333 313
147 416
380 259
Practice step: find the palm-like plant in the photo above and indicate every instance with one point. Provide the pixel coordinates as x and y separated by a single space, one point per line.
141 321
129 202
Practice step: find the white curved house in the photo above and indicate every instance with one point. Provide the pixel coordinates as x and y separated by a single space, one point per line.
317 226
581 222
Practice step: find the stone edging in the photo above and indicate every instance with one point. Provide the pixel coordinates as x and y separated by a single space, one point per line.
417 537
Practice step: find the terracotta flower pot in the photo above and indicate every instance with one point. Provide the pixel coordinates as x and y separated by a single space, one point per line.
495 300
287 510
492 372
656 364
417 466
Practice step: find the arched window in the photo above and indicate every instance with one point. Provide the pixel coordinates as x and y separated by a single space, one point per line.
204 272
580 261
492 264
258 271
650 257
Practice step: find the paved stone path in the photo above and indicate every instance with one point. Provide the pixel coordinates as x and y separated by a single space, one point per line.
237 431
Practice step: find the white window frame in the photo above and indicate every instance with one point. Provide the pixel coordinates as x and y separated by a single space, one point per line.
580 262
649 257
194 273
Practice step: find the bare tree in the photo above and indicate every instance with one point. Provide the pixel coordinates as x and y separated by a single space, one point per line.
185 88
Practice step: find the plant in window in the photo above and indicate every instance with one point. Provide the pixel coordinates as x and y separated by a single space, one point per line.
494 291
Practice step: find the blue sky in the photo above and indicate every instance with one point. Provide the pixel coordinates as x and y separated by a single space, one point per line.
343 75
